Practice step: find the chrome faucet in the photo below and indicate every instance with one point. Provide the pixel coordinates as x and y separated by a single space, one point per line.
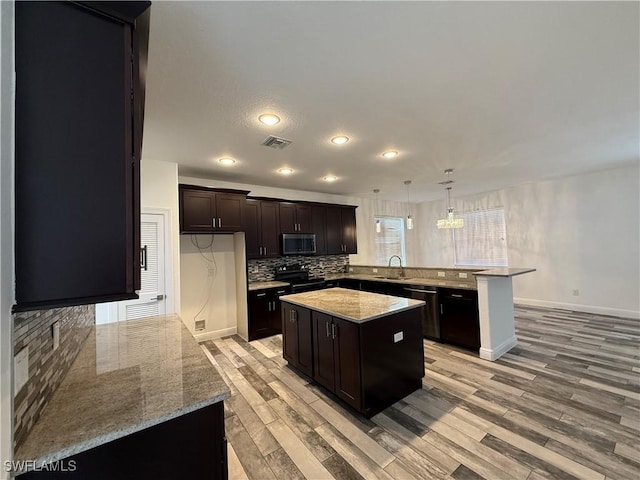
400 260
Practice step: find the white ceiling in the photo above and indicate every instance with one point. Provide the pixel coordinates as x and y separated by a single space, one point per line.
502 92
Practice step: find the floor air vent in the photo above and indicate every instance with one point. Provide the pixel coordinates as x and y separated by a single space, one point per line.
275 142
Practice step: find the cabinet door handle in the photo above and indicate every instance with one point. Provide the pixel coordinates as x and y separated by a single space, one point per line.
273 306
441 309
456 295
334 330
219 222
265 251
326 324
261 294
143 257
213 222
280 291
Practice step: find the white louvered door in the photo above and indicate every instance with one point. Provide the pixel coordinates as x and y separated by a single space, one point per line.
152 293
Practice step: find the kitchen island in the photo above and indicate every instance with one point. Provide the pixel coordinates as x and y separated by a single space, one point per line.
364 347
141 401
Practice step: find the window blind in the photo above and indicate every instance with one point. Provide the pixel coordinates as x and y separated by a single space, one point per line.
390 240
482 240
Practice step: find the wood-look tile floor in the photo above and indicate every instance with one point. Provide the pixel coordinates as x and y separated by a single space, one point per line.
563 404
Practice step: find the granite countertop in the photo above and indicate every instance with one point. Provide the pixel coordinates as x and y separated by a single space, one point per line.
264 285
128 376
352 305
503 272
429 282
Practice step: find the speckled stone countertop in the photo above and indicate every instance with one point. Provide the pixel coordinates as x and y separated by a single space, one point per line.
353 305
264 285
429 282
503 272
127 377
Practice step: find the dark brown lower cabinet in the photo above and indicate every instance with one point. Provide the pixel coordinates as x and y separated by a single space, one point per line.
296 338
369 365
264 313
459 324
190 446
336 358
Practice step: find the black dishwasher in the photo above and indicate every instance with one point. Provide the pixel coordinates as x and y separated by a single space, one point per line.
430 312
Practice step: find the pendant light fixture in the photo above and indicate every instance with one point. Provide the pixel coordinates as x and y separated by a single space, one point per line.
375 209
450 221
409 217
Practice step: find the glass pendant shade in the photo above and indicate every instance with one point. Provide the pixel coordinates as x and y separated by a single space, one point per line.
451 221
409 217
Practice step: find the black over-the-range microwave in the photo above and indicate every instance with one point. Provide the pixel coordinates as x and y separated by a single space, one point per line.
298 243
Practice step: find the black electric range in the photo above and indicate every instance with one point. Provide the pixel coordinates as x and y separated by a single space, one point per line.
297 275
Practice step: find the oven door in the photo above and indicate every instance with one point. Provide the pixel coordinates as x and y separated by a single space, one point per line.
307 287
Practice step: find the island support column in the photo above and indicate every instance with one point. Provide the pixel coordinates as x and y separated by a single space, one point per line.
495 308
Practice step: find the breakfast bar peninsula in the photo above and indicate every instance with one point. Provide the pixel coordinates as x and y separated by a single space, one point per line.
364 347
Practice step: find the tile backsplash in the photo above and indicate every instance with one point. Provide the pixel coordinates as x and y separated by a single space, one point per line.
47 367
262 270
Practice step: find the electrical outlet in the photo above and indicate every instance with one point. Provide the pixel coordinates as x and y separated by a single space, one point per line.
441 274
20 369
55 332
200 324
576 293
398 337
212 272
350 269
462 275
374 270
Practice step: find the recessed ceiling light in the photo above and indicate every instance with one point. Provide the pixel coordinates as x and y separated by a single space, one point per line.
269 119
340 140
330 178
390 154
227 161
285 171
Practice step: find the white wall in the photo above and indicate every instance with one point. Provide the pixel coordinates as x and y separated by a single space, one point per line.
7 294
208 289
159 189
580 232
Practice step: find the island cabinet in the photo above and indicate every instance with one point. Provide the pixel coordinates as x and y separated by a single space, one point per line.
207 210
295 217
341 230
336 359
297 348
79 108
264 312
262 218
365 347
459 324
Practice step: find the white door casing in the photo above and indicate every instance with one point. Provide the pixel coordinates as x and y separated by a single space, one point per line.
152 294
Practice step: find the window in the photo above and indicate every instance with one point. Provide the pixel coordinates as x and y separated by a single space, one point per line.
483 240
390 240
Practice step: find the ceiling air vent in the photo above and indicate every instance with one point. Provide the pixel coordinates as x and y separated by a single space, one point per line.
446 182
275 142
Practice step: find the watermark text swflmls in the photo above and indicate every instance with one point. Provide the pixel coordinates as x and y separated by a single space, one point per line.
32 465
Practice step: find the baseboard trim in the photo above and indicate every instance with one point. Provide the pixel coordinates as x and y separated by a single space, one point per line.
613 312
201 337
492 354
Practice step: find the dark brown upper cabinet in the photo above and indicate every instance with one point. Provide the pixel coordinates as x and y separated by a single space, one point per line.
262 218
319 227
295 217
207 210
341 236
79 110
